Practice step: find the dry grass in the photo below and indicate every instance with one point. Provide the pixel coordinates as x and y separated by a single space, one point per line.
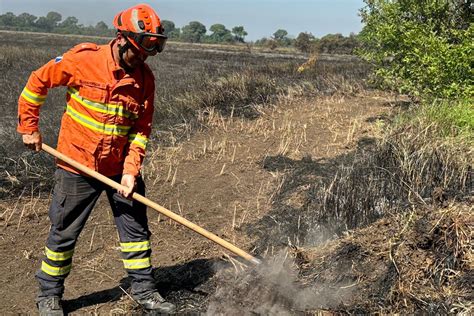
407 263
197 89
409 166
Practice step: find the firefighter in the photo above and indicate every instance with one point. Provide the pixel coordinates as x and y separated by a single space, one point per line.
106 126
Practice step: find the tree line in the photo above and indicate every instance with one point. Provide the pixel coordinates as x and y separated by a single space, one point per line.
194 32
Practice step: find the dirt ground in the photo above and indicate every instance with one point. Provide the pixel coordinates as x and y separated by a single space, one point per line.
223 178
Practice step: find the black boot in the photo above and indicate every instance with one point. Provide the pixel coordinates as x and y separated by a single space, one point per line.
155 303
50 306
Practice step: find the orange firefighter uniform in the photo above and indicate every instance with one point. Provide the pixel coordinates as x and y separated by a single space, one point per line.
105 126
107 118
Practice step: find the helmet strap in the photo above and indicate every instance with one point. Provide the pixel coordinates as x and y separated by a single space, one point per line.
122 50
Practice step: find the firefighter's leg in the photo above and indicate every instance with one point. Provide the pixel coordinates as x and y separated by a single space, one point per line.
132 224
74 196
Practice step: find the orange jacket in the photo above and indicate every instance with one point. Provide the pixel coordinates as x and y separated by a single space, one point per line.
107 120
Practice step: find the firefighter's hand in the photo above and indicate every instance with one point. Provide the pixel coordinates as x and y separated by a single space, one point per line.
33 141
128 181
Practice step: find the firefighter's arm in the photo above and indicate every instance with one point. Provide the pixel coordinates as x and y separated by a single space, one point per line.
59 71
138 138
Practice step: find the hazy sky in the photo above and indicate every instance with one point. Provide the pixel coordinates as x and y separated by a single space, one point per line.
260 18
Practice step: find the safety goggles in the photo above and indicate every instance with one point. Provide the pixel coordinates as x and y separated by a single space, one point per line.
151 43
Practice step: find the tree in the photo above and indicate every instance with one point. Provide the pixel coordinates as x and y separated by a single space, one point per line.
43 24
49 22
193 32
168 26
220 34
239 34
69 22
280 35
26 20
423 48
175 34
69 26
331 43
102 29
54 18
304 42
8 19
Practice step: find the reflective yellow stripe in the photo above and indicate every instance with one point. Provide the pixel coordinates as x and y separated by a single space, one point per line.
96 126
138 140
132 264
135 246
107 108
55 271
58 256
32 97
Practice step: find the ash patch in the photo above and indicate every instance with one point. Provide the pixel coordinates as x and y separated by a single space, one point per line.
189 285
272 288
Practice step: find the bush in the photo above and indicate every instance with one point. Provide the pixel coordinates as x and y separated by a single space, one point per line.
424 48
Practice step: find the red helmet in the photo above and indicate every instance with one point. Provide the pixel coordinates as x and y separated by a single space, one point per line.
142 27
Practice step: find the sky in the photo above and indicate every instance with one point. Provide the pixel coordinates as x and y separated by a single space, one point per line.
260 18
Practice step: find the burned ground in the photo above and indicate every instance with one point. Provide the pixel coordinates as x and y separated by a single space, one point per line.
246 161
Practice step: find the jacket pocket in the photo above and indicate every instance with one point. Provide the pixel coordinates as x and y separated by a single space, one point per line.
84 147
93 91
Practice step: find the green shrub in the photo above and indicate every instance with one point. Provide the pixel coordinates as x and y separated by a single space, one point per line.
423 48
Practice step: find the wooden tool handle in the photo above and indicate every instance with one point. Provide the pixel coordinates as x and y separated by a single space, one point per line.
140 198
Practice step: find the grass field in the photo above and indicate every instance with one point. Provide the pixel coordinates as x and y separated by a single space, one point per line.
358 201
189 81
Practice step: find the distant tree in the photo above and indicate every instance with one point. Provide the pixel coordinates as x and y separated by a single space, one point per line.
54 18
337 44
43 25
69 22
8 19
175 34
304 42
168 26
267 43
220 34
239 34
280 35
26 20
261 41
49 22
193 32
69 26
281 38
330 43
102 29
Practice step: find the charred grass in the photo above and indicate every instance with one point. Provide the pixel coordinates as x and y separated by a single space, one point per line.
411 188
406 263
190 85
384 227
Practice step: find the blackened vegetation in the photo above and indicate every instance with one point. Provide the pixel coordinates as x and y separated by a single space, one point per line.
190 83
391 271
413 262
408 168
416 187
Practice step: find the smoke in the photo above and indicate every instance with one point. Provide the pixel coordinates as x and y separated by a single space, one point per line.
272 288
